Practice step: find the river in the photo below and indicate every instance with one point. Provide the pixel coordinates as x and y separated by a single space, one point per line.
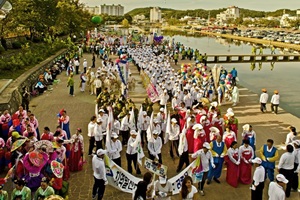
282 76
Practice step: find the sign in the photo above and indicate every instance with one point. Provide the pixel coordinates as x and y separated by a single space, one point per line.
121 179
152 93
177 180
155 167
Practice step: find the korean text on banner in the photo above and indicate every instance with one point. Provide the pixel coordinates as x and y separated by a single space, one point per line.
155 167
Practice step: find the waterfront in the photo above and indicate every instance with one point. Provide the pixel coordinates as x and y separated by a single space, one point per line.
283 77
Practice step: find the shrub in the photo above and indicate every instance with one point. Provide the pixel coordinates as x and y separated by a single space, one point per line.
16 45
1 49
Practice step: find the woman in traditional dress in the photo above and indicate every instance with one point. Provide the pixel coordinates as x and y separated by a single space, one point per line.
199 137
233 161
249 134
229 136
44 190
190 134
34 163
206 126
246 155
182 114
64 121
235 95
5 122
218 123
232 122
76 151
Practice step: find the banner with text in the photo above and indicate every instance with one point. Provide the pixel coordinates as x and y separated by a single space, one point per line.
155 167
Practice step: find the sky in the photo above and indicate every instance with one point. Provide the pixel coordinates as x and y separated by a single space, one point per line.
264 5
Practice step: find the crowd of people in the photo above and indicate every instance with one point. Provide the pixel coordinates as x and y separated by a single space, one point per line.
196 128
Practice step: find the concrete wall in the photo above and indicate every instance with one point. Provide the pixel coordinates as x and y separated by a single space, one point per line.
11 98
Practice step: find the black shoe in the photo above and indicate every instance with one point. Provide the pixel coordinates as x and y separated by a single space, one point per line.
217 180
208 182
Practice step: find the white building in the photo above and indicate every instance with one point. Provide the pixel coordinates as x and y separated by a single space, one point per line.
138 18
155 15
231 12
285 20
114 10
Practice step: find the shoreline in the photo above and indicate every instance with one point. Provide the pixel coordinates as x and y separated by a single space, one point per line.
229 36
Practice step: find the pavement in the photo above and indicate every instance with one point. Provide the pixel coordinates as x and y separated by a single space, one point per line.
81 107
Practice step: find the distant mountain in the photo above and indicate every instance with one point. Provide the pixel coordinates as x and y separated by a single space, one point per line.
169 13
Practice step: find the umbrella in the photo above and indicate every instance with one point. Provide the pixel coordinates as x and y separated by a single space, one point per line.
17 144
44 144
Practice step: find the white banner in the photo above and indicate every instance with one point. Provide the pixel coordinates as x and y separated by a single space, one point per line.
121 179
177 180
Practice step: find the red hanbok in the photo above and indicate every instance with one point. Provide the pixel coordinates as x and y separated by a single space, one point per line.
228 138
75 161
190 139
199 139
206 126
245 168
182 119
232 176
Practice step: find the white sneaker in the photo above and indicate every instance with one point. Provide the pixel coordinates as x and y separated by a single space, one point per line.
202 193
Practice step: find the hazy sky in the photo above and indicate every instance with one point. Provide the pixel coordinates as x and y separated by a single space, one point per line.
267 5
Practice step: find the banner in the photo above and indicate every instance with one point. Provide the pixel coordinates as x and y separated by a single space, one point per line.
121 179
177 180
152 93
155 167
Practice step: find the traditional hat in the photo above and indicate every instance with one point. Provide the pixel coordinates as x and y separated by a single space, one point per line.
173 120
230 114
17 144
36 158
229 110
44 144
214 129
214 104
15 134
197 126
281 178
257 160
276 92
206 145
57 168
264 90
205 100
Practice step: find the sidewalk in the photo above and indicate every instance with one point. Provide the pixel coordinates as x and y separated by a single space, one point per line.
81 107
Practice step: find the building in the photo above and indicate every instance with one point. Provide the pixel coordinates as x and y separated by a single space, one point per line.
114 10
138 18
155 15
231 12
285 20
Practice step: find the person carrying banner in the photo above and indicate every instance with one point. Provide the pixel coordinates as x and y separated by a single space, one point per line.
115 149
174 137
131 153
183 151
163 189
154 147
218 150
99 174
206 159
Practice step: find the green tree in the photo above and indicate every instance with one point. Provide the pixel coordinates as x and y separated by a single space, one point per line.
125 23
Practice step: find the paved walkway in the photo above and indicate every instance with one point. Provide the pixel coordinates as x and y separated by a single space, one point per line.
81 107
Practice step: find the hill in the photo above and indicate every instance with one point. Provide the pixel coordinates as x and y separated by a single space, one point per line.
171 13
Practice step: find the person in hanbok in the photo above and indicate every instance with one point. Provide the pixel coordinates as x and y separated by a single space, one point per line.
83 80
233 122
246 155
34 163
64 121
5 122
182 113
269 155
35 123
21 192
206 126
218 122
229 136
235 95
3 193
199 137
47 134
214 133
233 161
249 134
77 151
190 133
45 190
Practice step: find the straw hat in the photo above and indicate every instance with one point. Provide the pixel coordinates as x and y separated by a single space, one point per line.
17 144
276 92
264 90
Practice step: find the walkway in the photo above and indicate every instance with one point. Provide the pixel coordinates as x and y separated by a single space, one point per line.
81 107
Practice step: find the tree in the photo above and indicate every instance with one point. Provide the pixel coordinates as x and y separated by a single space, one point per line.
125 23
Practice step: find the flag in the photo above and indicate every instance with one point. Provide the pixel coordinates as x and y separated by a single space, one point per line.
132 120
96 110
168 129
140 151
152 93
110 123
150 128
140 117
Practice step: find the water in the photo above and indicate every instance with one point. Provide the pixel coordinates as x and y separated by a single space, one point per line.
282 76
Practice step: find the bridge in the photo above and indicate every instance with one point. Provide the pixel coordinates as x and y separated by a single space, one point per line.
251 58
